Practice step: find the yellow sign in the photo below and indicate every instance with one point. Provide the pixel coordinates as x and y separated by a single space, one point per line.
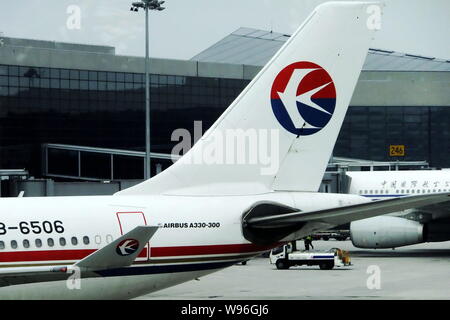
397 150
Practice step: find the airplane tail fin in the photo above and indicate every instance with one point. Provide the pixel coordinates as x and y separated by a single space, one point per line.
280 131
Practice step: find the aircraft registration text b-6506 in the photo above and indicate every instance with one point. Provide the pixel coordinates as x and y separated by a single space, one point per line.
36 227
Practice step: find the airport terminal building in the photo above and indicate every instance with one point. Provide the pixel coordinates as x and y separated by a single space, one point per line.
86 95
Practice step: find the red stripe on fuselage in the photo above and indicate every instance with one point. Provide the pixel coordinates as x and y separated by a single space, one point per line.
77 254
211 249
44 255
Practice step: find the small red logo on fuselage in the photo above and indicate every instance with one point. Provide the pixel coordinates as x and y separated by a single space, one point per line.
127 247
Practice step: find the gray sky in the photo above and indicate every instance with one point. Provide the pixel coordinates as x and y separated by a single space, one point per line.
186 28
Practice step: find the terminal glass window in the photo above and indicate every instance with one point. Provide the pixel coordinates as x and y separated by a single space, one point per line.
107 109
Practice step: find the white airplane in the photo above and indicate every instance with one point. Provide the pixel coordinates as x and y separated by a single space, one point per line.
425 224
196 218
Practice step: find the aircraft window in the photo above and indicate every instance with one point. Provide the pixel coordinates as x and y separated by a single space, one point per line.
439 190
86 240
109 238
371 191
98 239
74 241
38 243
2 245
434 190
429 190
387 191
412 191
14 244
376 191
407 191
26 243
396 191
50 242
360 191
365 191
62 241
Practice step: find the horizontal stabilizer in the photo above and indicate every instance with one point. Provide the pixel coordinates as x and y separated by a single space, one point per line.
119 253
281 225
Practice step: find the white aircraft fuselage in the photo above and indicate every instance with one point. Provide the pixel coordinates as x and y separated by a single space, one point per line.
399 228
196 236
381 185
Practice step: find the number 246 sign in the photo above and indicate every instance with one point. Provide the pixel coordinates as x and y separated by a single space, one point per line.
397 150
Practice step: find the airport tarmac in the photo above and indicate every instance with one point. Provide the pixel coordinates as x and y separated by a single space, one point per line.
414 272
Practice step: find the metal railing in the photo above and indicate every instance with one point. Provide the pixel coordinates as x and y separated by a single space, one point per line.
6 173
341 162
107 151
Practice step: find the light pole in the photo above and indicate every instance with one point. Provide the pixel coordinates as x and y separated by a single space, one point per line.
147 5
